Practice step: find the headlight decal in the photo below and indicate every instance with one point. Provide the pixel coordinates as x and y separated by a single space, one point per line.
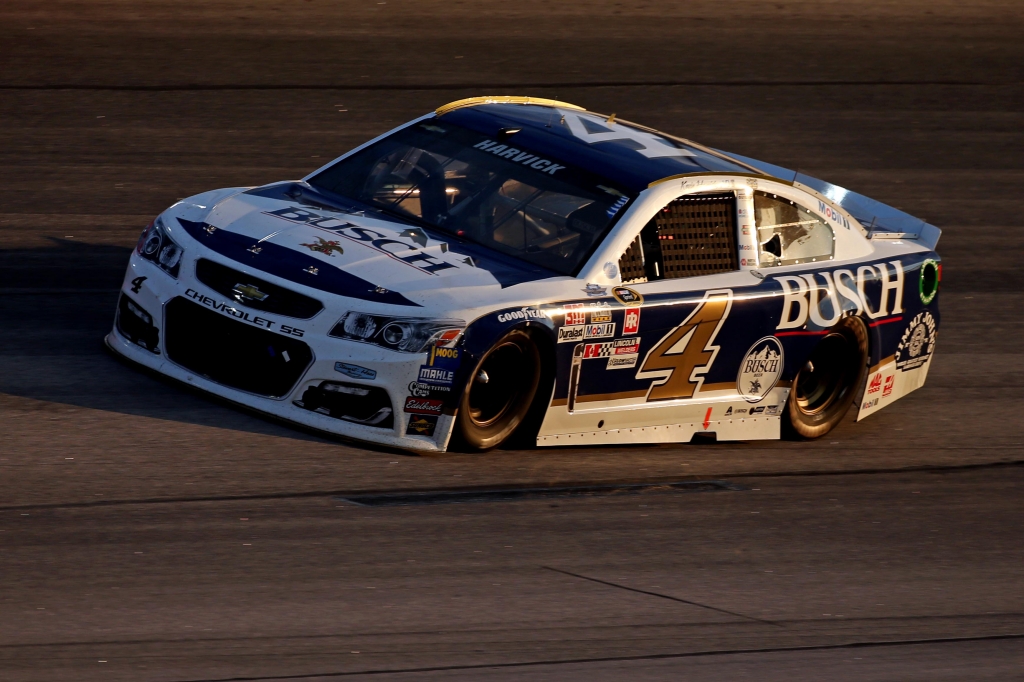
156 246
405 334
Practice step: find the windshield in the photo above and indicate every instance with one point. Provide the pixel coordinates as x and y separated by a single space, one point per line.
494 192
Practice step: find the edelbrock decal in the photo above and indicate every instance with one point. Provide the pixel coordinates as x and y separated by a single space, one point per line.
760 369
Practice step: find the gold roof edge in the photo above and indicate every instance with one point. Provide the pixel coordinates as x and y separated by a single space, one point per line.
504 99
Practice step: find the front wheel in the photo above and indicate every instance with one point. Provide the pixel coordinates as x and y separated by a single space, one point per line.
500 392
826 385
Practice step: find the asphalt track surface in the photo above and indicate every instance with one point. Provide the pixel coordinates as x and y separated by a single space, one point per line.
149 533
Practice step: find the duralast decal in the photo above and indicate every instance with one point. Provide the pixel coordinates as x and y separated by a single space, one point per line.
573 333
803 296
760 369
407 252
225 309
917 343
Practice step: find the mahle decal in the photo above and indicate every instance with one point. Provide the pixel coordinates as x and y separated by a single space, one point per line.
680 360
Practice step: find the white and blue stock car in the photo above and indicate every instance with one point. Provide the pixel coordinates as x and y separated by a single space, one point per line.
518 268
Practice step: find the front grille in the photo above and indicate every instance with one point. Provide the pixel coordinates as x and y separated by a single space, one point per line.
254 292
358 403
233 353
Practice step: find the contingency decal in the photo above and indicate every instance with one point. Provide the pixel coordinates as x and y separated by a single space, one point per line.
760 369
682 357
440 368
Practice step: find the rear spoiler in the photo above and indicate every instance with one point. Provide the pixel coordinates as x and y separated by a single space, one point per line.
879 220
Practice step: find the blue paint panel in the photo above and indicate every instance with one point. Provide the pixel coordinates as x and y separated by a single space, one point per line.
290 265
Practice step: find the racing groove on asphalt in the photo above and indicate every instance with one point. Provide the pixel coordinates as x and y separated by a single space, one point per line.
241 565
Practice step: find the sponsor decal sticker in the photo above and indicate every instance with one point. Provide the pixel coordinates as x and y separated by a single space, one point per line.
728 412
627 296
622 361
806 298
355 371
889 382
917 343
436 376
575 314
418 405
573 333
757 410
760 369
325 247
876 384
772 410
449 358
422 425
631 321
524 314
869 404
425 390
599 331
832 214
599 315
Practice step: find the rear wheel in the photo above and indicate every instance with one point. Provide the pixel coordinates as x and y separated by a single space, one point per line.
826 385
500 392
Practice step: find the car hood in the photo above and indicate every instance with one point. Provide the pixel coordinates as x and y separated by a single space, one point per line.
287 230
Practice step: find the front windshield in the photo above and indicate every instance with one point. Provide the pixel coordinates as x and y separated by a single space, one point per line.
494 192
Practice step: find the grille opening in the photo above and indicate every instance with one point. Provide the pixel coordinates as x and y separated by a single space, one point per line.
692 236
253 292
369 405
233 353
136 325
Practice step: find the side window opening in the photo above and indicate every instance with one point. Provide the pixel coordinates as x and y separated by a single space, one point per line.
788 234
692 236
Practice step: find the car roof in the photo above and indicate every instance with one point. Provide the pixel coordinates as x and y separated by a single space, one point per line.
631 155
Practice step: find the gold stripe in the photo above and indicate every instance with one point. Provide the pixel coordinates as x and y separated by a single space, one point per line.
884 361
504 99
760 176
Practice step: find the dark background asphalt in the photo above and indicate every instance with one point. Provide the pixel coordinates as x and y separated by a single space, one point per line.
147 533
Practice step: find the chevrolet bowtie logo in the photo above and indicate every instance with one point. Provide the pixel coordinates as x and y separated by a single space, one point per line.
248 292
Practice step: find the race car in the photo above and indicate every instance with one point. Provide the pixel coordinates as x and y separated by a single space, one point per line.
514 270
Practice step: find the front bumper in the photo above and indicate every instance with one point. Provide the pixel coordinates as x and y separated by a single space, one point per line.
289 369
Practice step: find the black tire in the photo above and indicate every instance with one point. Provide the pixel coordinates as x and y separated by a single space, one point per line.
499 393
825 387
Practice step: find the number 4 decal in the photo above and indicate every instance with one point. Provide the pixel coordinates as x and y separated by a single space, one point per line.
681 359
